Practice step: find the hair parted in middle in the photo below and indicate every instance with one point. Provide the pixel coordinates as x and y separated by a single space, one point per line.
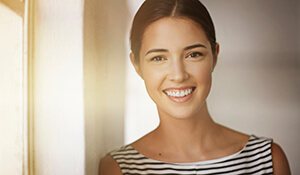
153 10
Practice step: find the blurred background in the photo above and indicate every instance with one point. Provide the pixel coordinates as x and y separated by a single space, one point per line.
68 93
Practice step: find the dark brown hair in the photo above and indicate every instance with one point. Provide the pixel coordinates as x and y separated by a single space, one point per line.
153 10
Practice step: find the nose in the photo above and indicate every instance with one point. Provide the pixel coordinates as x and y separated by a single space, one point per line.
177 71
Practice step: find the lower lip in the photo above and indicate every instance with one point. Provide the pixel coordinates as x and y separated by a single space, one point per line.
181 99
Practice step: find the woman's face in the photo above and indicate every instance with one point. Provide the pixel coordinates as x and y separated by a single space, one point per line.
176 63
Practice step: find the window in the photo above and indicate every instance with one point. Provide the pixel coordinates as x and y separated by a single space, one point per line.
13 88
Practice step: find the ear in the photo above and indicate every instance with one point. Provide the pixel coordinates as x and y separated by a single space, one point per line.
216 54
135 65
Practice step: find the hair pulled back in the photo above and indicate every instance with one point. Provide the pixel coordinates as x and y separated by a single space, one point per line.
153 10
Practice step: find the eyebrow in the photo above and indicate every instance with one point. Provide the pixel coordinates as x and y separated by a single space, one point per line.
156 50
186 48
194 46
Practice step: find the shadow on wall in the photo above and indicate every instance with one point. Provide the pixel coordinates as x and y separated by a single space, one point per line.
104 77
298 19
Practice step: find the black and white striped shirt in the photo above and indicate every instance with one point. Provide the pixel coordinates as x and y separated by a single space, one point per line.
254 158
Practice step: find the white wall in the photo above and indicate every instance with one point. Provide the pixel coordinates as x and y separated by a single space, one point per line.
256 82
141 115
11 93
58 110
104 74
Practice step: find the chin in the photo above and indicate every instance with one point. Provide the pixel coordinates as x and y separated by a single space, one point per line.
178 114
182 117
182 111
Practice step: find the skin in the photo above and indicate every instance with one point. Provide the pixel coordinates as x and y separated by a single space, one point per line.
176 53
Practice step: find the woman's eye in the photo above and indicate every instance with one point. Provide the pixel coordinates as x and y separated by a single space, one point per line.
194 55
157 59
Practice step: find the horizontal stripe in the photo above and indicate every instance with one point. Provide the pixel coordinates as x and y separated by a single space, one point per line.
254 158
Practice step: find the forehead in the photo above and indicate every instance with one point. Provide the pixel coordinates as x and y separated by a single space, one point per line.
173 32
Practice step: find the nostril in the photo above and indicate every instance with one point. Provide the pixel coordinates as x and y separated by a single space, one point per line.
179 76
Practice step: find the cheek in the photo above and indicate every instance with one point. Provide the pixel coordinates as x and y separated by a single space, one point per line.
202 74
152 80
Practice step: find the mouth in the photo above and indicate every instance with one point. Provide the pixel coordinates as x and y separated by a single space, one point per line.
179 92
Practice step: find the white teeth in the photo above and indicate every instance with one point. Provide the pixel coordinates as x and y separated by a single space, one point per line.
179 93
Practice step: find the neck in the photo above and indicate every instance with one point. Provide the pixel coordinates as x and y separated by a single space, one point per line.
183 134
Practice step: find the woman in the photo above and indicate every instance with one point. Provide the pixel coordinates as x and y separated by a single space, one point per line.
174 50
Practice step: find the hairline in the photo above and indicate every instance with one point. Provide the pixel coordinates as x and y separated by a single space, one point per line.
176 16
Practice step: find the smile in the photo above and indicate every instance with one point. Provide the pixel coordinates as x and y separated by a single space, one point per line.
179 93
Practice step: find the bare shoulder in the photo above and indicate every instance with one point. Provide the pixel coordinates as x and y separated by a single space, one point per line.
280 162
108 166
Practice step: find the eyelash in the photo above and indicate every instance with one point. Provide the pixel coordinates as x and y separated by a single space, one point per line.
155 59
194 55
190 55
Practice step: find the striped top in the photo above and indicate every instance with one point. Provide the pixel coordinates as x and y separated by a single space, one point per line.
254 158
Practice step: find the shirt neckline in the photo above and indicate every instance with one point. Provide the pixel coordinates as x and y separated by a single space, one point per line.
203 162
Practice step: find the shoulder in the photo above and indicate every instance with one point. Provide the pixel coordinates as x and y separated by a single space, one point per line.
280 162
108 166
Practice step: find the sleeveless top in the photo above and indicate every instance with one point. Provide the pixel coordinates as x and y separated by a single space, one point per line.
254 158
